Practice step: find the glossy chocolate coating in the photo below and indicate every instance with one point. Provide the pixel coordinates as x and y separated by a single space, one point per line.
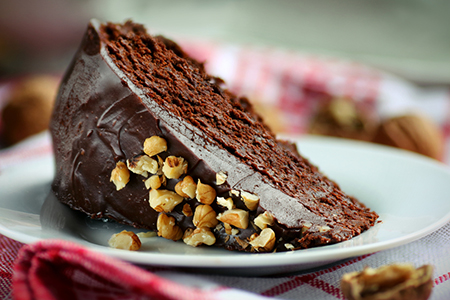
102 115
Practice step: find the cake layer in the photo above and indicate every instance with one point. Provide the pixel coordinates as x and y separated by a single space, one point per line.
124 87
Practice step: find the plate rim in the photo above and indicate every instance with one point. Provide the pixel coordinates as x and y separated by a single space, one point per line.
245 260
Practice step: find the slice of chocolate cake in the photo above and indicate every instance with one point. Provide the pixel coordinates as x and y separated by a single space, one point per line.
143 136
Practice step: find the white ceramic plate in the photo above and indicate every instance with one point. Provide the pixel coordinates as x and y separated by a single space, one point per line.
409 191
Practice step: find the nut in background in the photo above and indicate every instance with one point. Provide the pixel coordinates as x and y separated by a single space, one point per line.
29 108
342 117
412 132
390 282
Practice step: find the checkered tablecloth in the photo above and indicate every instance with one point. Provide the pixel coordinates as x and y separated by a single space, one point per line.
292 83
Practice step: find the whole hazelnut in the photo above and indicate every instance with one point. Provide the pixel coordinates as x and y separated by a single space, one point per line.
29 108
411 132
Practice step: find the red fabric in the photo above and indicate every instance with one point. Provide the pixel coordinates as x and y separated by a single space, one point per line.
54 269
8 253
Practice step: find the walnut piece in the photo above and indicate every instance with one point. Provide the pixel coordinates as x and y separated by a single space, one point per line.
142 165
199 236
174 167
250 200
236 217
164 200
167 227
265 241
205 216
205 193
263 220
120 175
126 240
397 281
154 145
186 188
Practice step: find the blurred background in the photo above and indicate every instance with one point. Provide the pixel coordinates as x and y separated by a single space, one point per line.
340 68
410 38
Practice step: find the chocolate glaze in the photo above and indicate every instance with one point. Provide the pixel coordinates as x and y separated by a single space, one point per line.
114 96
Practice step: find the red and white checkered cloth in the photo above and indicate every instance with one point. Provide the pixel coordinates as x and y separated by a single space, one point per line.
290 82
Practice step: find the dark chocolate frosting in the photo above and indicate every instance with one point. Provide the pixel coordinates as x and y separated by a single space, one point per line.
124 86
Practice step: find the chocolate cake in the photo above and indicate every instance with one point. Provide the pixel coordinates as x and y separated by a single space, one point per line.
144 136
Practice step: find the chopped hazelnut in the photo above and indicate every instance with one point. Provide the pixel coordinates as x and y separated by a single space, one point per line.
202 235
397 281
142 165
148 234
250 200
188 232
205 216
235 193
174 167
228 203
263 220
186 188
221 177
265 241
160 165
154 145
324 228
244 244
236 217
205 193
289 246
228 228
179 190
126 240
306 226
164 200
167 227
154 182
120 175
218 227
187 210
